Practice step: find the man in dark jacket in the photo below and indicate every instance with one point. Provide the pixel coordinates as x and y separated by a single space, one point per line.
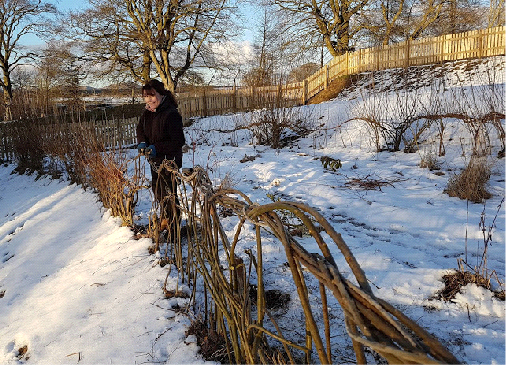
160 136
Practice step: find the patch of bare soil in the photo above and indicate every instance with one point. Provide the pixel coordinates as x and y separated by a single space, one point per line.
212 345
274 299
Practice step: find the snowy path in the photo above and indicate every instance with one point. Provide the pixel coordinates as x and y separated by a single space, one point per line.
77 288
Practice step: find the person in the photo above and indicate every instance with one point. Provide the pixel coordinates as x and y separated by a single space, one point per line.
160 136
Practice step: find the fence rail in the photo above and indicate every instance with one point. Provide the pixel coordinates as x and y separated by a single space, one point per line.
472 44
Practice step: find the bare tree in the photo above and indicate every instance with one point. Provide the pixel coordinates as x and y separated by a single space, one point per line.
48 83
420 15
268 51
63 73
458 16
390 21
391 11
380 21
496 13
17 18
303 71
330 20
167 37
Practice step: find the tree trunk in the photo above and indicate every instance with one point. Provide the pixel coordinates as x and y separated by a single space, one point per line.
146 66
7 88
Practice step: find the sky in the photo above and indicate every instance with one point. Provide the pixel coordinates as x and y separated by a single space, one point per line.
67 5
233 49
78 288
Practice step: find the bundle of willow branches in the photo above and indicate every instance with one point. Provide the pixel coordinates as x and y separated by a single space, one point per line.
251 333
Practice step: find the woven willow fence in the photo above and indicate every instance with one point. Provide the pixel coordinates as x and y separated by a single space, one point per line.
250 330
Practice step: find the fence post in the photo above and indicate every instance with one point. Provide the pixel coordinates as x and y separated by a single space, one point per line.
234 98
407 52
480 43
326 83
442 54
204 97
347 71
378 52
117 141
304 91
252 98
3 143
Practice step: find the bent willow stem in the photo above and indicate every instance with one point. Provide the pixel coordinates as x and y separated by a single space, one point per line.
237 308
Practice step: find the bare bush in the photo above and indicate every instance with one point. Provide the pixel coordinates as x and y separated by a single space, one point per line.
108 174
415 109
478 274
27 139
429 161
278 126
390 115
106 171
77 150
482 108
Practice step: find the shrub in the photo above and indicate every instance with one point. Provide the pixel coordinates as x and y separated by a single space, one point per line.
429 161
478 274
78 151
470 184
277 127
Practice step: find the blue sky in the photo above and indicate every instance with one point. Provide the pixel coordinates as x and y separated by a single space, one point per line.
65 5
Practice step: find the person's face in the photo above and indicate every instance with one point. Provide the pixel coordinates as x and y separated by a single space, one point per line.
152 99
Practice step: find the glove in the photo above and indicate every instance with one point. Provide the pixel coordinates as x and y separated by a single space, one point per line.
150 151
142 147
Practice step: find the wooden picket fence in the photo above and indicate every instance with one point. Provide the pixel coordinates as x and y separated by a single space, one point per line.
113 133
468 45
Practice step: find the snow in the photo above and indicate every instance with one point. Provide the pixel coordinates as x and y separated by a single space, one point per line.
79 289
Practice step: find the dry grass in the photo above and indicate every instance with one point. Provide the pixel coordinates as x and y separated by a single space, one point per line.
471 183
479 274
429 161
455 281
333 90
369 183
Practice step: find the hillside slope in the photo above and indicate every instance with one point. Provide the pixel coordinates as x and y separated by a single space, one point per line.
412 78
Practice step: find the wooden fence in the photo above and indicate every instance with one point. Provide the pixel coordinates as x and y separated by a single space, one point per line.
471 44
216 102
114 133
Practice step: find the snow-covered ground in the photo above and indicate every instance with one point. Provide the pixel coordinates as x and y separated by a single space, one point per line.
76 287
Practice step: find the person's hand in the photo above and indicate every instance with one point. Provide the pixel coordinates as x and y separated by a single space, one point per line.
141 147
149 108
150 151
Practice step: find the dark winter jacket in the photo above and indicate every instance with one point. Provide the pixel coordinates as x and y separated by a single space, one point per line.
163 129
